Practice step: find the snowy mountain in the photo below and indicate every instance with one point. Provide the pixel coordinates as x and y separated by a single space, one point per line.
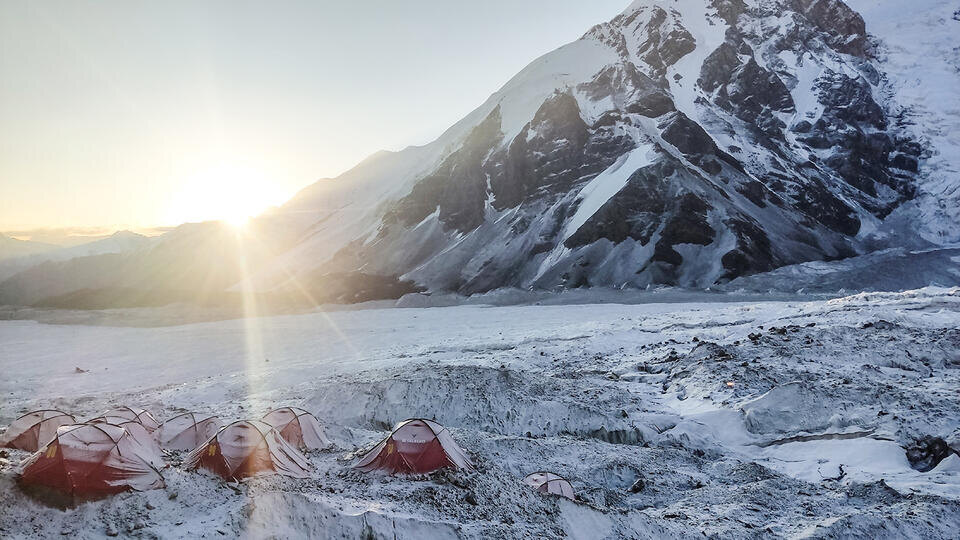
684 143
693 143
920 55
118 242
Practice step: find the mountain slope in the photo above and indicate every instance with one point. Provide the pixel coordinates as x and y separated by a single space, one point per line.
920 55
11 247
684 143
118 242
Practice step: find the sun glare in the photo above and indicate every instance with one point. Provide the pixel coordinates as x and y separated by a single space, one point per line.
228 193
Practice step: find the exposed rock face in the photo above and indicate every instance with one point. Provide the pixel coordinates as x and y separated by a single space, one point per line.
844 28
745 89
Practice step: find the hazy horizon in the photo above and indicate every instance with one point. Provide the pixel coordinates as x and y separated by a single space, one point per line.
130 115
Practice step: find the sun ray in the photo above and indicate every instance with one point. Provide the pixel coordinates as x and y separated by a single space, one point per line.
247 284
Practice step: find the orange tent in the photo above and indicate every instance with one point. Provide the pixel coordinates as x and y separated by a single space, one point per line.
137 415
298 427
248 448
187 431
415 446
91 460
35 429
548 482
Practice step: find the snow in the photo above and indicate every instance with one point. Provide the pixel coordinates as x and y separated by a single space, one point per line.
601 393
709 32
921 59
562 69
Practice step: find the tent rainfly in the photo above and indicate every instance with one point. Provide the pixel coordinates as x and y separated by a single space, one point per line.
90 460
548 482
415 446
298 427
248 448
35 429
187 431
149 449
137 415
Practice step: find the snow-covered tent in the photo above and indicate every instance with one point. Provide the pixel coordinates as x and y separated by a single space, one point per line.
89 460
298 427
35 429
415 446
137 415
187 431
248 448
149 449
548 482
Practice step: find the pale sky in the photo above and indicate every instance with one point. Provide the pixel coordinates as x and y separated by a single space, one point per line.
126 113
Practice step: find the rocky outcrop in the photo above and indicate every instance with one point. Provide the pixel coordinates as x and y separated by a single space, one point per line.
743 88
925 453
844 28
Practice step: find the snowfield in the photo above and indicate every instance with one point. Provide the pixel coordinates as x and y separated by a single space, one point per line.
684 419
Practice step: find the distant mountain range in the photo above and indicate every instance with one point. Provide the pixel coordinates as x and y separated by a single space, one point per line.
692 143
12 247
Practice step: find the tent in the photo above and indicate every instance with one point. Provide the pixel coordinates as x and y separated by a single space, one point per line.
91 460
137 415
187 431
548 482
298 427
149 449
248 448
415 446
35 429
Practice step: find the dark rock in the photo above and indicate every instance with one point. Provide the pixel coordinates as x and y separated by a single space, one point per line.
687 226
635 212
686 135
905 163
555 150
845 29
753 253
665 44
458 187
745 89
925 453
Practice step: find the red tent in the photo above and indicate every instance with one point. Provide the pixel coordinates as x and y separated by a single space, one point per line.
548 482
415 446
187 431
248 448
91 460
137 415
33 430
298 427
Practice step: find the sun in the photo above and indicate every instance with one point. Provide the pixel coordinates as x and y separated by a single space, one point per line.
233 194
238 221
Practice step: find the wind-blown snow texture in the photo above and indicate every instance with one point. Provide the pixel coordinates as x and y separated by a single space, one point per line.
739 420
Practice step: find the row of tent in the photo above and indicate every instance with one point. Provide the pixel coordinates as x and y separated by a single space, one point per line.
123 449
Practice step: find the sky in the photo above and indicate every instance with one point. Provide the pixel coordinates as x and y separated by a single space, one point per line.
127 113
